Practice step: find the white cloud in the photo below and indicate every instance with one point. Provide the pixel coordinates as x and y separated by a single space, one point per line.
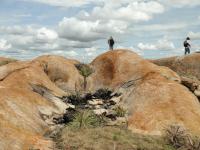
17 30
91 49
44 34
85 30
74 29
181 3
162 27
133 10
62 3
71 53
107 18
162 44
4 45
194 35
136 50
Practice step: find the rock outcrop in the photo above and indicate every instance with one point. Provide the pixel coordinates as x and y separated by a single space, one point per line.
183 65
31 92
187 67
151 94
27 95
62 72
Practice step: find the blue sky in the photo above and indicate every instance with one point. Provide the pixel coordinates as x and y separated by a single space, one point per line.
80 29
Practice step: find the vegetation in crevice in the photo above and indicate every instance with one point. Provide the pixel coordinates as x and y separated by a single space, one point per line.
84 70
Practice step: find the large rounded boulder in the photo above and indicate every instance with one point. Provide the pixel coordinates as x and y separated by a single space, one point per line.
152 94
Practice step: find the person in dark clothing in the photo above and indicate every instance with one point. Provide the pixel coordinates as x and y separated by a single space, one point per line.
111 43
187 45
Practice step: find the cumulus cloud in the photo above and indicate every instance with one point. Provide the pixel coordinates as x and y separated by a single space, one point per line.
46 35
4 45
181 3
63 3
93 22
162 27
124 10
17 30
71 53
38 40
85 31
74 29
132 48
107 18
194 35
162 44
91 49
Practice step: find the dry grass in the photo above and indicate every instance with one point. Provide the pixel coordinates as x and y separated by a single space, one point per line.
107 138
5 62
179 138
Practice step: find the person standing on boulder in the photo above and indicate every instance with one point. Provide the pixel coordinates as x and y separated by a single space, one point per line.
187 45
111 43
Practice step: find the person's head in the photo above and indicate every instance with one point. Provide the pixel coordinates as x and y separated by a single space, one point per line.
111 37
188 38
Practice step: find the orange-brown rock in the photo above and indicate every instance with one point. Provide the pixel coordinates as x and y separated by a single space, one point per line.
30 92
61 71
183 65
116 67
152 94
22 107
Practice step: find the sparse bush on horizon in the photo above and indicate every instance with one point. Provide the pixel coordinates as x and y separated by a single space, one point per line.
5 62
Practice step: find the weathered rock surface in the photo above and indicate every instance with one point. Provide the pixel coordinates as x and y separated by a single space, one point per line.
27 94
187 67
152 95
30 94
183 65
62 72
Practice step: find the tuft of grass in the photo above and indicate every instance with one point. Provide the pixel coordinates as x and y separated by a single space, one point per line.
120 111
179 138
108 138
176 136
193 143
87 119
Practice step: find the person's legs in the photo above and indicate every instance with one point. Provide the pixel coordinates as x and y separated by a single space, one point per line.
187 50
111 47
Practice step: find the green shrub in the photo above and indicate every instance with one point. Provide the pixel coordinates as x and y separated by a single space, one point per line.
86 119
85 70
